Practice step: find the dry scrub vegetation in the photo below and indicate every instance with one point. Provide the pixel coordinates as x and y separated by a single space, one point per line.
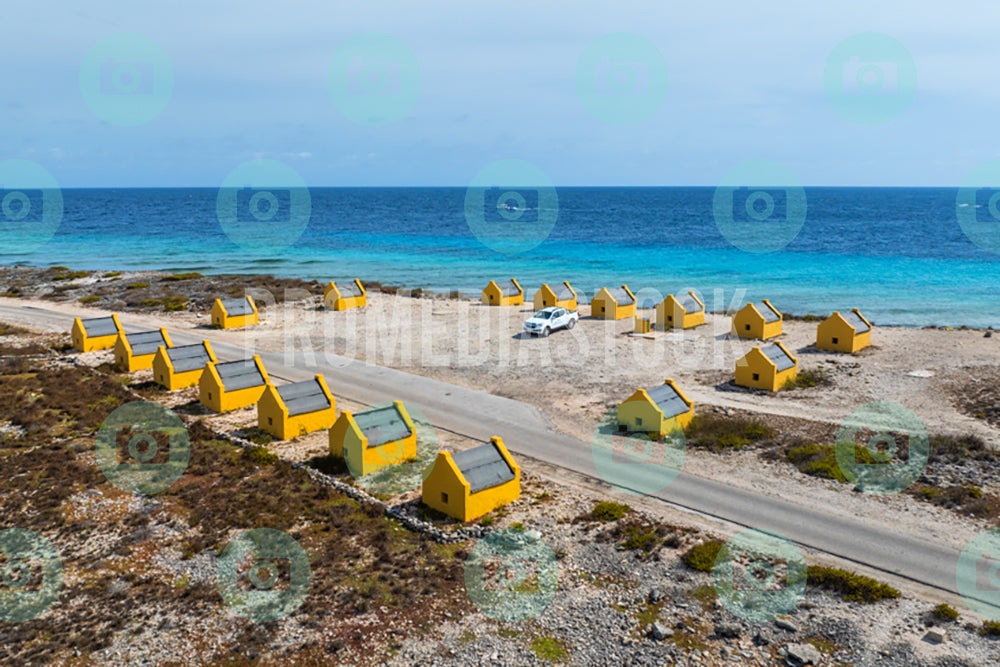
122 554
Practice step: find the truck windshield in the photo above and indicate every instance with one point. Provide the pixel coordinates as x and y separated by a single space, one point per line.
543 315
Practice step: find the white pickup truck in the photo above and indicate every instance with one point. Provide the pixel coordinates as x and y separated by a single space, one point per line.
549 319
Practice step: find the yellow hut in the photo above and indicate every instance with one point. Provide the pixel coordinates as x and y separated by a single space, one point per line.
233 313
615 303
468 484
680 312
296 409
503 293
95 333
657 411
757 320
562 295
232 385
182 366
135 351
844 333
767 368
374 439
348 294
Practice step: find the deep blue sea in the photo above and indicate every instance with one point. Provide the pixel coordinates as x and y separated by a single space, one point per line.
899 254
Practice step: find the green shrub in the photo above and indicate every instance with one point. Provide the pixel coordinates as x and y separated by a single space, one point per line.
71 275
609 511
136 285
549 649
89 299
809 378
850 586
990 629
816 460
112 274
701 557
486 521
257 436
945 612
639 537
261 455
181 276
718 433
732 441
174 303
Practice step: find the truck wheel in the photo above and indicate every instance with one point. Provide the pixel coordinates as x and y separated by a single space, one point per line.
572 323
545 332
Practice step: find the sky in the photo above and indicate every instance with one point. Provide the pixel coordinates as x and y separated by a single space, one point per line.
498 81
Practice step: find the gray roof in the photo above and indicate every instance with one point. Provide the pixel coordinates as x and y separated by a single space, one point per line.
770 314
100 326
483 467
621 297
188 357
303 397
860 326
668 400
382 425
235 307
689 303
778 356
348 289
508 288
562 291
239 374
145 342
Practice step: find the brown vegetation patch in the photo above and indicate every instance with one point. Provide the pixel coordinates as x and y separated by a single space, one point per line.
115 551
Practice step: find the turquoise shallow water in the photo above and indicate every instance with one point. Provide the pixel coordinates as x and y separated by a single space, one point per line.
899 254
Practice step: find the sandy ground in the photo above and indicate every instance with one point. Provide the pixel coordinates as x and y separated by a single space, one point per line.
576 376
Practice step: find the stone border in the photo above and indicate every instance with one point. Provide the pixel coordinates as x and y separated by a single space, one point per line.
397 512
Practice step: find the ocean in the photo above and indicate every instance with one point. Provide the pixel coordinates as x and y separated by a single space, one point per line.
898 254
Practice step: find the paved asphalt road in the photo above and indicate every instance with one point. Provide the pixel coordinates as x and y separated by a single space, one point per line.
526 431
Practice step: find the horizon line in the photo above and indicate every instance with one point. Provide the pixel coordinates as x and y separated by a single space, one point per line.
465 187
